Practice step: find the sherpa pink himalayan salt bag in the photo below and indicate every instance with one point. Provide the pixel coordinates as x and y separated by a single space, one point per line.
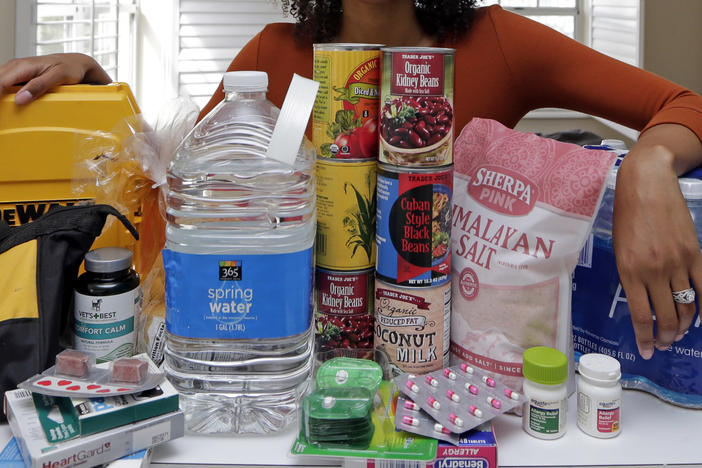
522 208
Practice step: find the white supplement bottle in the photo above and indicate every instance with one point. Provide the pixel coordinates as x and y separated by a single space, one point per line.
599 395
545 375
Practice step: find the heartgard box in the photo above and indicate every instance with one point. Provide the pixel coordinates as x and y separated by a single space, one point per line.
42 144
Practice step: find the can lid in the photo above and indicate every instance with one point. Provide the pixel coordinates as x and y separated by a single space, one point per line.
346 46
250 81
108 260
545 365
427 50
600 367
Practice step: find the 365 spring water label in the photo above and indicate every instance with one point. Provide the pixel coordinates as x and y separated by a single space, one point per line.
241 297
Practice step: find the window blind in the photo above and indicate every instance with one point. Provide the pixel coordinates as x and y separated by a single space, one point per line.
210 34
615 29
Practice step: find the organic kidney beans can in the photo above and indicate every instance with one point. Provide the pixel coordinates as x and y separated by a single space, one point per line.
345 113
346 214
412 327
344 316
414 225
416 106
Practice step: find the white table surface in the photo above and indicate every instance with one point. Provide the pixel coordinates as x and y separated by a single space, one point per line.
653 434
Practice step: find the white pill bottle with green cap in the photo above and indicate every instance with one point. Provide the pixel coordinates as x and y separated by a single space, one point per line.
545 375
599 395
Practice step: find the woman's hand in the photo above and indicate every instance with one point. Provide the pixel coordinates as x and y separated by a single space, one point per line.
47 71
655 241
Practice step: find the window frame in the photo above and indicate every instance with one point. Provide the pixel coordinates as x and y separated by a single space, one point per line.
27 42
579 22
583 34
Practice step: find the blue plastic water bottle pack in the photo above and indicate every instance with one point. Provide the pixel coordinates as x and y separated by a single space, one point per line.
602 322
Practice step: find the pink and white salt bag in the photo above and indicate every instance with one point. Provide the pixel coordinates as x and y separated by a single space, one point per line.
523 206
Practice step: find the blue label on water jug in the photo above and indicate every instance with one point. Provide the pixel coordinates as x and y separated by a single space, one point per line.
238 297
602 324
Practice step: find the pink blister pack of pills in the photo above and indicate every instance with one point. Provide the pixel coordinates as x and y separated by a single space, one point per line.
459 397
411 418
75 374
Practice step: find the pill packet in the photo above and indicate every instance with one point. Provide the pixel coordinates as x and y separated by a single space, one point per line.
387 445
98 380
460 397
411 418
350 372
470 378
338 417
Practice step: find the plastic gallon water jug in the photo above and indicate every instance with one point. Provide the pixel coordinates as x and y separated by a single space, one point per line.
601 318
239 268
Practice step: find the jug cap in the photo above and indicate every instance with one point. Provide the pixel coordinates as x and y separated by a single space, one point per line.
245 81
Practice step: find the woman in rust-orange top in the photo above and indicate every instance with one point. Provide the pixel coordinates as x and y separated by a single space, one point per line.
505 66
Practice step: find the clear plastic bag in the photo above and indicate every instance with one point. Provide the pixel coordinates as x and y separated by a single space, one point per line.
128 173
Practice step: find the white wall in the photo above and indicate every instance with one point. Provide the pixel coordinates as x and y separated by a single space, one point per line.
7 30
673 41
156 48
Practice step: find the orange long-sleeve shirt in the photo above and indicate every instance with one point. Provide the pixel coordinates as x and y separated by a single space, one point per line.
506 66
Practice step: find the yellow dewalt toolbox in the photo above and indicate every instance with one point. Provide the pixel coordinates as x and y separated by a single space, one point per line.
38 150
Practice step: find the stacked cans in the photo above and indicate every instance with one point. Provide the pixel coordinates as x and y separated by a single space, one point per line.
345 119
414 191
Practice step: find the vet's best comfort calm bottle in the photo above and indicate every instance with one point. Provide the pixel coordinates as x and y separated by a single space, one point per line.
107 297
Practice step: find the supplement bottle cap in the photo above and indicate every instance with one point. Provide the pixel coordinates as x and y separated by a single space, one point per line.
691 188
545 366
108 260
615 144
245 81
599 367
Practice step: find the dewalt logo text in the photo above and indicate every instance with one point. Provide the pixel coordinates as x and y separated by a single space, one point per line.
23 212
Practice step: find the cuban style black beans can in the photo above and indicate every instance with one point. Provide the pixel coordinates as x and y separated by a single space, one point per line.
414 225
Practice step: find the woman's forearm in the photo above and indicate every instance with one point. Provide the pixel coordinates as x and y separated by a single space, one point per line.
674 143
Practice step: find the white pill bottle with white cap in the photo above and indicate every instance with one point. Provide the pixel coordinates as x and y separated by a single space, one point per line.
599 395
